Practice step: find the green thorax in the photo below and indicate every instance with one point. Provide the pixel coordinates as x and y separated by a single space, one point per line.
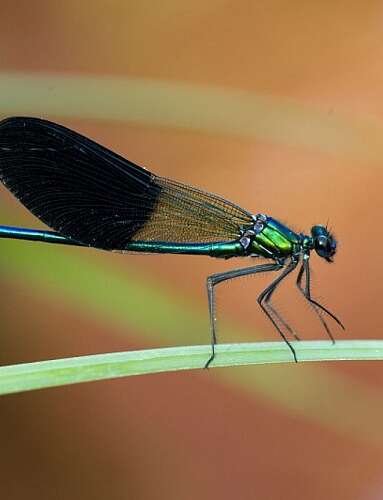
273 240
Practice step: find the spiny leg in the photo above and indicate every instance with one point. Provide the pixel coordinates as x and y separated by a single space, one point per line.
324 309
277 315
215 279
307 294
266 295
315 305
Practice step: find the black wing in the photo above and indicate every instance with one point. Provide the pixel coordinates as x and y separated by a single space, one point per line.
94 196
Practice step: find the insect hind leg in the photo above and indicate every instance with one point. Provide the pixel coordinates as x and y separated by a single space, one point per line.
214 280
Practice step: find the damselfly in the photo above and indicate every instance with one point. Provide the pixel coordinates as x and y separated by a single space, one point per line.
93 197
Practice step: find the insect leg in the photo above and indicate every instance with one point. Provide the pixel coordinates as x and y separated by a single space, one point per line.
277 315
265 296
306 291
214 280
307 294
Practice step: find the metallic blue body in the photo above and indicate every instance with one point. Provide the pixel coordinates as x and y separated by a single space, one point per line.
214 249
19 233
274 241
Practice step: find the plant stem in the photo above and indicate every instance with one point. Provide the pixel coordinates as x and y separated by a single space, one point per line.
53 373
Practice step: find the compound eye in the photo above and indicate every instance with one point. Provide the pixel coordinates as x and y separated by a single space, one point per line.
325 247
322 243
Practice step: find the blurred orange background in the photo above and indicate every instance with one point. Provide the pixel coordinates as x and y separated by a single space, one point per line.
274 105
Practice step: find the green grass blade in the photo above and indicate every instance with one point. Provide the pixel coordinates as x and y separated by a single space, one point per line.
53 373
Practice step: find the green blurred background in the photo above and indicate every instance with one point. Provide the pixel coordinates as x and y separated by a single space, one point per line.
274 105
